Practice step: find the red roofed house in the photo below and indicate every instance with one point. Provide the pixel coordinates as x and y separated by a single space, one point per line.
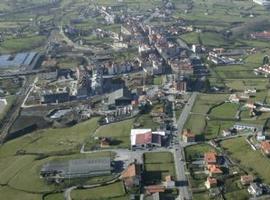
261 35
246 179
214 170
210 158
145 138
104 142
132 175
188 136
151 189
265 146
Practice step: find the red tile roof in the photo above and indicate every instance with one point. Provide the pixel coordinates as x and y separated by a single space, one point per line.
265 145
214 169
144 138
131 171
154 188
210 157
246 179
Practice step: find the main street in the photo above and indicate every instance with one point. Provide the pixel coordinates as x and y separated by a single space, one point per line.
179 158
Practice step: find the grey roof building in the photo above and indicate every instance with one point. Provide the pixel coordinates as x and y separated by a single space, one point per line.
80 168
120 97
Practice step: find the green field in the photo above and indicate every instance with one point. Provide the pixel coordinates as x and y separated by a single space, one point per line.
196 123
191 38
52 140
200 196
118 131
252 161
197 151
146 121
224 111
213 39
57 196
244 72
197 120
8 193
158 80
205 101
215 127
68 63
21 44
115 190
22 172
157 166
240 85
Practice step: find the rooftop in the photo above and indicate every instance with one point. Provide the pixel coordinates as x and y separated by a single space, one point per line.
210 157
78 167
265 145
17 60
145 136
131 171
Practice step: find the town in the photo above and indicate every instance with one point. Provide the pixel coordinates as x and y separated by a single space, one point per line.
159 99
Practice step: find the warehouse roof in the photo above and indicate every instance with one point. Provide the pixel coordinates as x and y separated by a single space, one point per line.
79 167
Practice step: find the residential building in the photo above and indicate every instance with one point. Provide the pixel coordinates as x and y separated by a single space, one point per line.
265 147
181 66
180 85
151 189
132 175
214 170
188 136
210 183
250 91
265 69
246 179
83 82
145 138
246 127
236 98
54 98
265 35
105 142
255 189
120 97
169 182
210 158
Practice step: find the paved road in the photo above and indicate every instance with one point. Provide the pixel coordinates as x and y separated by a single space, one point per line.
184 193
126 155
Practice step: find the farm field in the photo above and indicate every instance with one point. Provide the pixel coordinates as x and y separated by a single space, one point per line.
252 161
115 190
157 166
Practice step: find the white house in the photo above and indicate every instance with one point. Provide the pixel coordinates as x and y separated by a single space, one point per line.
145 138
255 190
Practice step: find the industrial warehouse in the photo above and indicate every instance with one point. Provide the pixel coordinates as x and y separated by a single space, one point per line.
79 168
20 61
